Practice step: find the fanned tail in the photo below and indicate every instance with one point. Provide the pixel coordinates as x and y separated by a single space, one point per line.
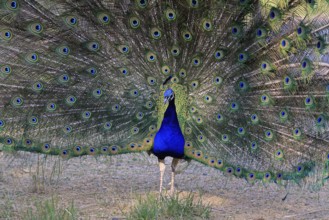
86 78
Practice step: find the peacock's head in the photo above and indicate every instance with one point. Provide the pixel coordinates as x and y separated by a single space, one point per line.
168 95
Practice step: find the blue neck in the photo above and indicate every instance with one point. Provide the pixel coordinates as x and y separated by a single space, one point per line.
169 141
170 116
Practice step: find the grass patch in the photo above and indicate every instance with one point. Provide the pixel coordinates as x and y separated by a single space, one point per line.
6 206
174 207
50 210
42 178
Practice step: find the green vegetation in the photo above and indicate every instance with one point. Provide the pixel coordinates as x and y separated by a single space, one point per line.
174 207
50 210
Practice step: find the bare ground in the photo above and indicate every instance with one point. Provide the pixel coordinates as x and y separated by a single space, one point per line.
107 188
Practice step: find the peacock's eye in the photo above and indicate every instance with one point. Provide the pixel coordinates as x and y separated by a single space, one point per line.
142 3
272 15
38 27
156 33
11 5
259 32
170 14
187 36
151 57
134 22
7 34
92 71
194 3
93 46
46 146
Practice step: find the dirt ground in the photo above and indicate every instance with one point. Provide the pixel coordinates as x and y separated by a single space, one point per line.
107 188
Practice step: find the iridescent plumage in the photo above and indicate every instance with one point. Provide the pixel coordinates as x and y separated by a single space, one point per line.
250 82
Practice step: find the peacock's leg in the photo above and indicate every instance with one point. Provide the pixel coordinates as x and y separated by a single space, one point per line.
162 167
173 169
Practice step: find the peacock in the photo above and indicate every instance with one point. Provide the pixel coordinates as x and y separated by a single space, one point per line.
238 85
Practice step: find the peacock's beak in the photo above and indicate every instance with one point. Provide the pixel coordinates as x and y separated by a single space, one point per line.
165 100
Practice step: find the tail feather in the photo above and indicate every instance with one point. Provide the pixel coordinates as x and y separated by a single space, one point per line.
87 78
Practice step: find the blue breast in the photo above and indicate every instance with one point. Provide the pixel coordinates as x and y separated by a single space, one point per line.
169 141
